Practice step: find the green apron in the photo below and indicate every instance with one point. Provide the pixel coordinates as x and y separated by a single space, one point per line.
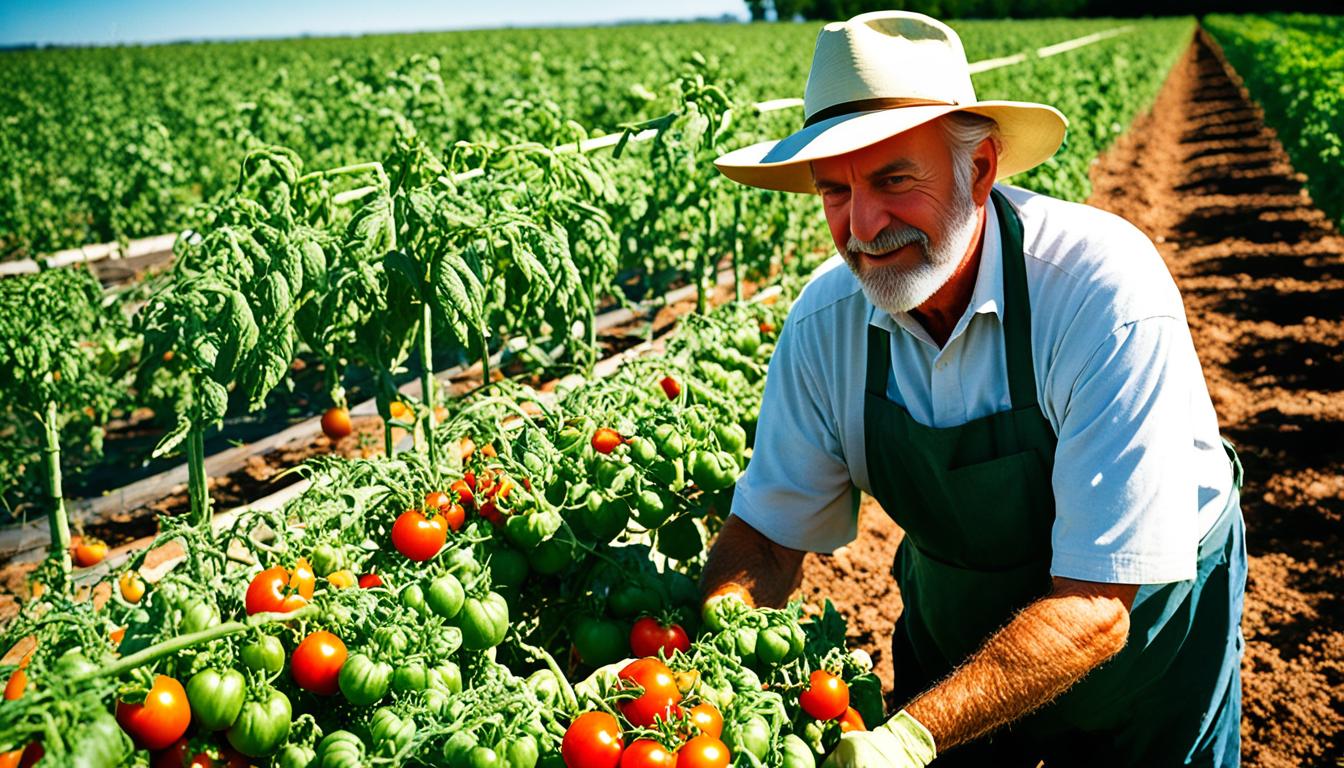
977 507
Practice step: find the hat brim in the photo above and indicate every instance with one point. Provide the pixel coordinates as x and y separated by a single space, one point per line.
1030 133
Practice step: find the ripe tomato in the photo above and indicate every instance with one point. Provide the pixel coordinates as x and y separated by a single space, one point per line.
670 387
161 719
453 515
437 500
826 696
660 696
647 753
418 537
316 663
131 586
767 328
707 718
605 440
399 410
593 740
89 552
464 489
851 720
703 752
370 580
275 591
649 637
336 423
14 687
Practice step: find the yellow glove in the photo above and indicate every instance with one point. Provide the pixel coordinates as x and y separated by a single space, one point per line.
901 742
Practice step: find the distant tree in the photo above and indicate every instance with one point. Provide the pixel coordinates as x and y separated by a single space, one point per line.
757 9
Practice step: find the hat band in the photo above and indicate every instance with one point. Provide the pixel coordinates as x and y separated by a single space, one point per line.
868 105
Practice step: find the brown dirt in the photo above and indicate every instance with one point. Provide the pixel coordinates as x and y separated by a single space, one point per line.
1262 274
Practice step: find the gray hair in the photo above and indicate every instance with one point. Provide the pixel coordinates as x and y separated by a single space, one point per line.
964 131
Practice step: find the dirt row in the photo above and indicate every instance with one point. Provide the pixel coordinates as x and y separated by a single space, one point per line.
1262 275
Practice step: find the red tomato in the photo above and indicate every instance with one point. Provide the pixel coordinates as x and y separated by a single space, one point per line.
851 720
660 695
649 637
706 717
270 591
418 537
161 719
593 740
826 696
336 423
463 488
605 440
767 328
370 580
176 757
437 500
316 663
647 753
88 552
18 680
670 387
703 752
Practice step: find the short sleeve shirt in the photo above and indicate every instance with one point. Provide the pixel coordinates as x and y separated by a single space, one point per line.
1140 474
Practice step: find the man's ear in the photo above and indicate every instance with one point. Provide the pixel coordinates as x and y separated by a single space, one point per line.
984 167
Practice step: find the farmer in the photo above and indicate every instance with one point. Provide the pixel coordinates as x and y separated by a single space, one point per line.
1011 376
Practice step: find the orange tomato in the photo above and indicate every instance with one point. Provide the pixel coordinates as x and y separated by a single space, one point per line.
88 552
336 423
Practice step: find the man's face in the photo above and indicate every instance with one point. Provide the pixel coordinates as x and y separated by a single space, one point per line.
898 215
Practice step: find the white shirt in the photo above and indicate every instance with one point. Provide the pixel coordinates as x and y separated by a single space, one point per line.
1140 474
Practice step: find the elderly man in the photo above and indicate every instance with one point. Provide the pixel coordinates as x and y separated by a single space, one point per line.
1012 378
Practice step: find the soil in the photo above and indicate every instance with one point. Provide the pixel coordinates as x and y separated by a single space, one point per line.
1262 275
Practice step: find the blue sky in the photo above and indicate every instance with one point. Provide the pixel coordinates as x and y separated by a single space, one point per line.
147 21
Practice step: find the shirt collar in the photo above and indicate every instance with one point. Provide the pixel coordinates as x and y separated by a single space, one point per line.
987 298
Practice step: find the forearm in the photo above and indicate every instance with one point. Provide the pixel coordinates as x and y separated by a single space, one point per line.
742 555
1050 645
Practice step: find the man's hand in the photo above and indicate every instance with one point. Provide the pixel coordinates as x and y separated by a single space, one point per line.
901 742
762 569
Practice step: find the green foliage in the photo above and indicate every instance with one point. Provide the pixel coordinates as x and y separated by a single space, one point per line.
1293 65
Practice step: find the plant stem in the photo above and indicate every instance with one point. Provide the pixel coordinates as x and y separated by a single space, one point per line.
175 644
198 487
51 455
427 380
485 354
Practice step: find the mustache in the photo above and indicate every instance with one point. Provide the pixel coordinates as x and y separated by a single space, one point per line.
888 240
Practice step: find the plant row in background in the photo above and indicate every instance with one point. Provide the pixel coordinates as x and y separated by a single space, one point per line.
1293 65
111 143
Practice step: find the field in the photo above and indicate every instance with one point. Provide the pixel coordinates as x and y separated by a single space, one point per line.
537 375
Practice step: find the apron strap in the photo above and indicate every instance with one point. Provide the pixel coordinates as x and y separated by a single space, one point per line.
879 361
1016 306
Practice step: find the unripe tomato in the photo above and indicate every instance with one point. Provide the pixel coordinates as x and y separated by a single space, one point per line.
161 718
88 552
342 579
131 586
316 663
826 696
606 439
336 423
418 537
593 740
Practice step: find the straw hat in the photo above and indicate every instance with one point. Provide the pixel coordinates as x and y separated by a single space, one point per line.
877 75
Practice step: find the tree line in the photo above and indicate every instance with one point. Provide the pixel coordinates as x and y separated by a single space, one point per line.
830 10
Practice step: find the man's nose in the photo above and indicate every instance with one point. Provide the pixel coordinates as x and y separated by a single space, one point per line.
867 217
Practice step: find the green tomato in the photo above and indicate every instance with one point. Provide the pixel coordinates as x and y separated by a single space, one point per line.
484 621
526 531
390 733
340 749
264 654
669 441
74 664
458 746
445 596
413 597
198 616
393 641
652 508
732 438
671 473
216 697
326 560
98 742
713 470
444 640
632 598
614 476
363 680
604 519
773 646
520 751
681 539
461 562
796 753
643 451
262 725
295 756
544 686
554 554
446 676
753 736
508 567
410 677
746 639
601 641
484 757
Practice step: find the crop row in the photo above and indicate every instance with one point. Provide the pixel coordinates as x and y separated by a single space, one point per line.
1293 65
103 144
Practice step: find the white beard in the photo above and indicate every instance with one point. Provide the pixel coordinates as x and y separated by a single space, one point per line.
893 288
